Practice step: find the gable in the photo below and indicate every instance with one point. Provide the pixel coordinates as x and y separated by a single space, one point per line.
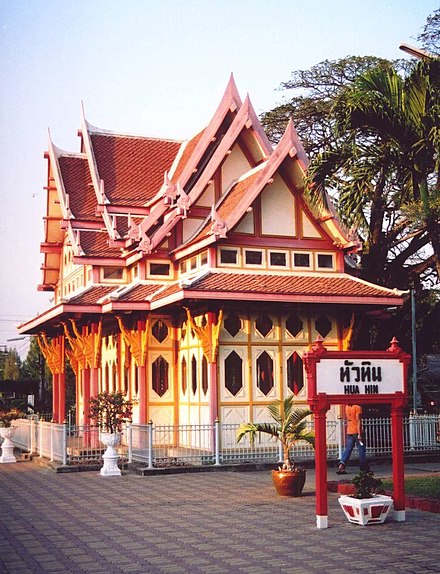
278 209
234 167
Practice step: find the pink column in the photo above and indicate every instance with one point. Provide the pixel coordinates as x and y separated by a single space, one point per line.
142 381
55 398
321 467
398 463
61 397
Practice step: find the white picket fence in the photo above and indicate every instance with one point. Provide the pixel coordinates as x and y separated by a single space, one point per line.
184 445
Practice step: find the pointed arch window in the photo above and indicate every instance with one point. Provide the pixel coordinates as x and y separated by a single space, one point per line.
233 373
264 324
295 373
294 324
183 376
160 331
265 379
194 375
159 377
204 375
323 325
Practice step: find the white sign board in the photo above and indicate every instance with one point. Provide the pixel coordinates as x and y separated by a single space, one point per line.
359 376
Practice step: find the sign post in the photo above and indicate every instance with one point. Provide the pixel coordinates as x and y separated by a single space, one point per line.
356 377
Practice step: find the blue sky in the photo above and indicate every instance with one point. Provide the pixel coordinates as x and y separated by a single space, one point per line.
155 68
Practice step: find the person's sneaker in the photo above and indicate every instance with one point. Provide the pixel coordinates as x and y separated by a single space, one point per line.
341 469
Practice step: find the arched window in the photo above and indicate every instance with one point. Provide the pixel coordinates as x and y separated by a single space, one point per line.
265 380
160 376
295 373
233 373
183 375
204 375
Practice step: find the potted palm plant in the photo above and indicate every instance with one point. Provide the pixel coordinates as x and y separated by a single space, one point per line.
7 432
109 411
367 505
289 427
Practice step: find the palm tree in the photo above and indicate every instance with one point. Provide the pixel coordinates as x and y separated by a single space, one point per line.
290 426
388 159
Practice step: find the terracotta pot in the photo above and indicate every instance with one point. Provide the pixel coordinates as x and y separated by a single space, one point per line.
289 483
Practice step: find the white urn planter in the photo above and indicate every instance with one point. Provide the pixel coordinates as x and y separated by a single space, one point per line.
7 446
110 456
366 511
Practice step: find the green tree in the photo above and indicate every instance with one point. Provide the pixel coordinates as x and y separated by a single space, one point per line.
430 37
386 170
12 365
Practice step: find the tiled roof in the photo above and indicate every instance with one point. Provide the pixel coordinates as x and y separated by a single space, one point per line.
334 288
78 184
92 296
132 167
95 244
228 205
186 154
139 293
291 285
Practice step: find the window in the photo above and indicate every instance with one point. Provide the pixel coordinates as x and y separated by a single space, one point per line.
325 261
160 331
182 266
229 256
264 324
112 273
323 325
253 257
265 380
162 269
183 376
295 373
232 324
160 376
278 259
301 259
233 373
194 375
204 375
294 325
204 259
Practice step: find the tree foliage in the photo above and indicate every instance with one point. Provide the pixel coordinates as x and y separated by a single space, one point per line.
430 37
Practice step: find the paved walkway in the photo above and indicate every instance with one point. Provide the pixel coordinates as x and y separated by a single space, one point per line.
204 523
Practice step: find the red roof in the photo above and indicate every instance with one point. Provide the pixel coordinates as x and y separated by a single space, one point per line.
78 184
290 285
186 154
96 244
92 296
307 288
140 292
132 167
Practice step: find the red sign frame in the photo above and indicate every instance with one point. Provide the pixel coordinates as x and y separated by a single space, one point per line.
320 403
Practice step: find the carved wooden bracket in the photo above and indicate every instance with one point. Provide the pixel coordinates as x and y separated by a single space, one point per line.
208 335
137 341
52 352
86 348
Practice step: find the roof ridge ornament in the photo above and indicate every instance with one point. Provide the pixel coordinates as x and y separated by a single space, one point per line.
218 227
183 202
170 192
145 244
133 229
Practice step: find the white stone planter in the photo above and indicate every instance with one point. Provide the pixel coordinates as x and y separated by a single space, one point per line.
110 457
365 511
7 446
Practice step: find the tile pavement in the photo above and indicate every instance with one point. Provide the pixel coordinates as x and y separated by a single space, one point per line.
204 523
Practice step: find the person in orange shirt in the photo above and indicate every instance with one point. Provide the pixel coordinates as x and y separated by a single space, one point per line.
354 438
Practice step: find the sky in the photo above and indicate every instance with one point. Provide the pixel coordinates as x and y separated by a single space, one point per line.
154 68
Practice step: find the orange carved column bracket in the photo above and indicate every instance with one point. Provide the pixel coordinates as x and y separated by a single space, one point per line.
137 341
90 344
208 335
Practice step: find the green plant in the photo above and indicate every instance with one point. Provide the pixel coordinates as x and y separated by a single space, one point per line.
6 417
110 410
366 486
290 427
